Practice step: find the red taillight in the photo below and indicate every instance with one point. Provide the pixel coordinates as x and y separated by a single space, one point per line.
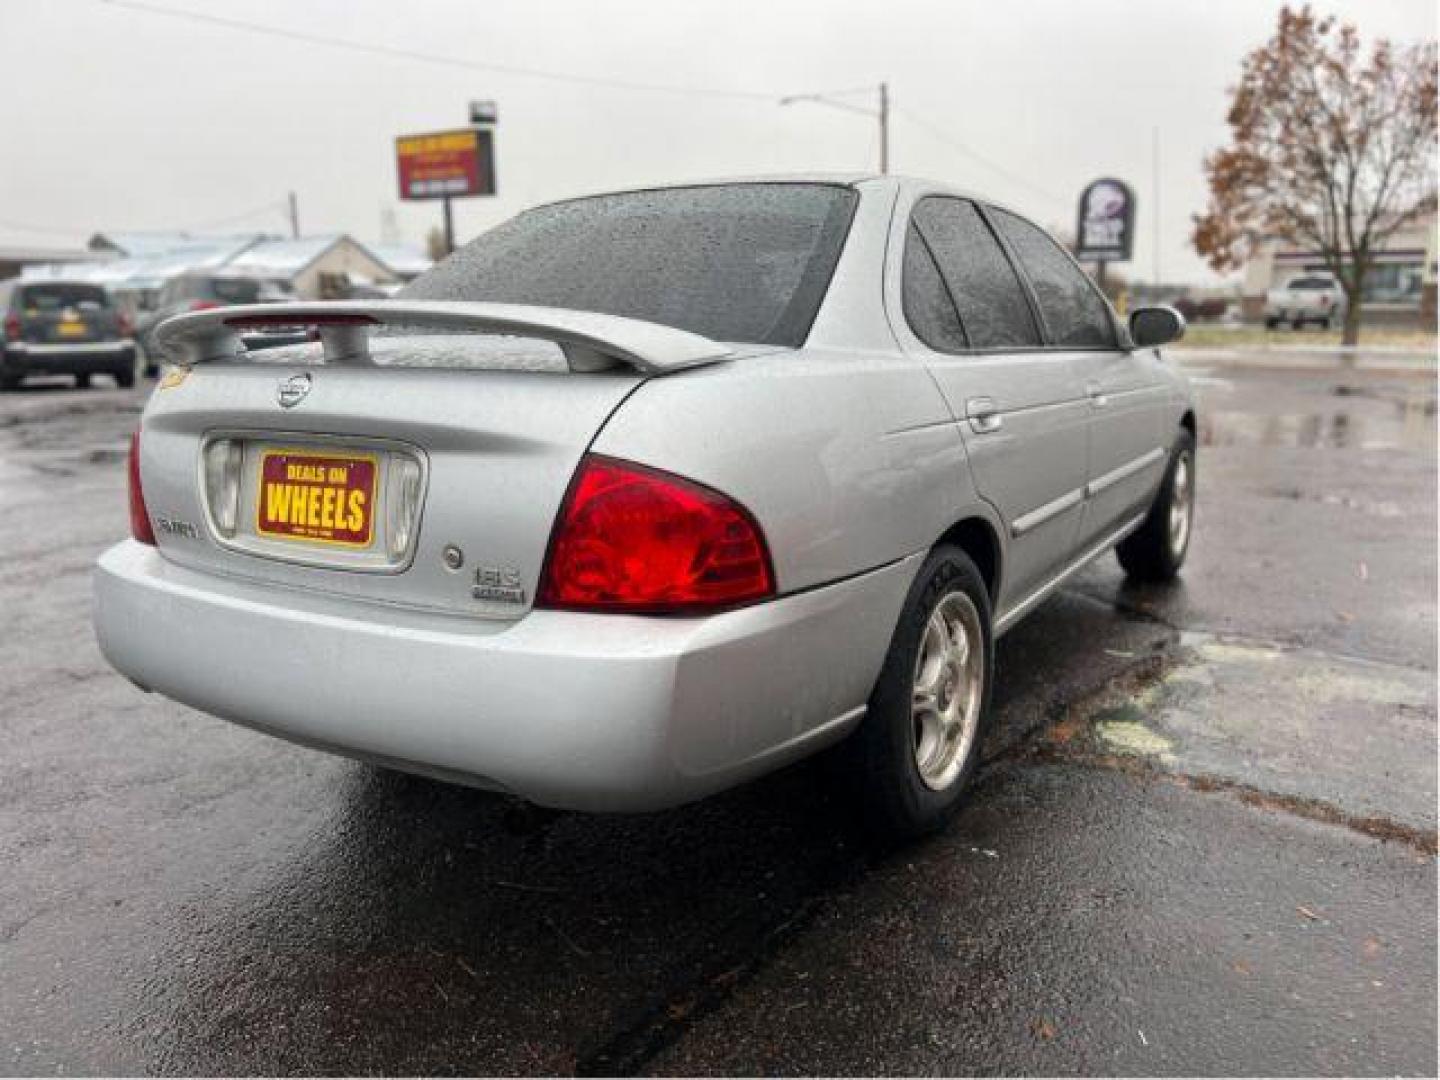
139 517
635 539
124 324
12 327
203 305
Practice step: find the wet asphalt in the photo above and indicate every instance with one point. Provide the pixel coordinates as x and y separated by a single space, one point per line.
1204 839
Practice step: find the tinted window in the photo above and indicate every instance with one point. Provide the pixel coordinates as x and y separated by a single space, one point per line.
56 296
235 290
1074 313
1316 283
928 307
734 262
988 295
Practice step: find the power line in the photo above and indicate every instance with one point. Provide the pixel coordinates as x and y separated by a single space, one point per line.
432 58
944 137
273 206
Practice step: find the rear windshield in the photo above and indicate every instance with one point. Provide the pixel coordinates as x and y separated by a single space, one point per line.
55 296
734 262
235 291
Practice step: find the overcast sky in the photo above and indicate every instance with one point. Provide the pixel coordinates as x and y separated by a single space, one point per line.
119 118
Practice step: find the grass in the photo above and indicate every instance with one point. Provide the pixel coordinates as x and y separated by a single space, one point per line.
1212 335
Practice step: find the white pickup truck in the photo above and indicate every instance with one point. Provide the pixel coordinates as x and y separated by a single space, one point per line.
1315 298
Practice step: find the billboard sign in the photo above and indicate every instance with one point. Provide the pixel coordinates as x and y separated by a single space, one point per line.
446 164
1106 228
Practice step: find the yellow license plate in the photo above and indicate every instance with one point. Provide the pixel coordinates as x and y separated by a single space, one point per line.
316 498
71 328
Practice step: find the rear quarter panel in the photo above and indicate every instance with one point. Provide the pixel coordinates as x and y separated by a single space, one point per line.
849 460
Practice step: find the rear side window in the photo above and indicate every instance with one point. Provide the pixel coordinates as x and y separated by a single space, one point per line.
57 296
1074 313
734 262
1310 283
987 293
928 307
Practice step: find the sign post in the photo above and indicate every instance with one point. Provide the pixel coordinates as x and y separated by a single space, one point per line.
1105 228
445 165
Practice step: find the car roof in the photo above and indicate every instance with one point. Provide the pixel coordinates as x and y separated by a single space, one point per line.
866 180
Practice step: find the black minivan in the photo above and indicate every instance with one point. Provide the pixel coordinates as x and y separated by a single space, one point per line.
63 328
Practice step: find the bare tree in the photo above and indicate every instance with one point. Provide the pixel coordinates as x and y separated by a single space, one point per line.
1329 149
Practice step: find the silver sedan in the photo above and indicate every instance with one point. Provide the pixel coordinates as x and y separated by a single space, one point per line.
641 495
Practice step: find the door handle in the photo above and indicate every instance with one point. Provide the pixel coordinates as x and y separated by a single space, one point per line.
1098 397
983 416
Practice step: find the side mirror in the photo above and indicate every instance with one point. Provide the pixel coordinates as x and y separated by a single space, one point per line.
1152 326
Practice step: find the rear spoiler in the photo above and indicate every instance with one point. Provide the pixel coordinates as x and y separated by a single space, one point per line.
590 341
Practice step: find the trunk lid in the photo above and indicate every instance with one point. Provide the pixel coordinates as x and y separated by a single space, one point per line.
488 454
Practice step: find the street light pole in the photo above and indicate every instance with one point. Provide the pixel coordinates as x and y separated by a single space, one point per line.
884 128
881 114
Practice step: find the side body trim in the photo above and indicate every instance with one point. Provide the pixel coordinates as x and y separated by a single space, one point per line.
1041 514
1130 468
1024 607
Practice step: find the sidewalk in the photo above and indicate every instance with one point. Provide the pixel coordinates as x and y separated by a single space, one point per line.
1377 359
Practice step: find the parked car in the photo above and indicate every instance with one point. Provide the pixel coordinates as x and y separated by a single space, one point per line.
1315 298
196 291
63 328
760 468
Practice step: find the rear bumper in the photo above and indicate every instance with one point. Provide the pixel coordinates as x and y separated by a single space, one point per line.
589 712
20 358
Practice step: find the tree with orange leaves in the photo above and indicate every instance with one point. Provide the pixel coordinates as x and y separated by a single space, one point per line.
1329 148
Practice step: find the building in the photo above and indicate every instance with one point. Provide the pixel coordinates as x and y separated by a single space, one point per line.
15 260
405 263
1395 288
135 266
173 245
324 267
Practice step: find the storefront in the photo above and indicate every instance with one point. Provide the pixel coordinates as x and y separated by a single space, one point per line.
1395 288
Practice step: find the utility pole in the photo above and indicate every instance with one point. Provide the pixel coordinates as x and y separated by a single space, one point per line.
881 114
1155 196
449 227
884 128
294 217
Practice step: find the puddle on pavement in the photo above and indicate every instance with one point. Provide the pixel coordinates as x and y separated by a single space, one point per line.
1363 417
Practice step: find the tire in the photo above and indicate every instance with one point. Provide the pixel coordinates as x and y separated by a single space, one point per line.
1298 323
125 379
10 382
1271 324
82 381
881 762
1156 551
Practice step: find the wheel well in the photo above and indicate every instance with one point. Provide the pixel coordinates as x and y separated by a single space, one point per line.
976 538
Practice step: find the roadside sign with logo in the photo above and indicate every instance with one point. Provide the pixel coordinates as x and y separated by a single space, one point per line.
446 164
1106 228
